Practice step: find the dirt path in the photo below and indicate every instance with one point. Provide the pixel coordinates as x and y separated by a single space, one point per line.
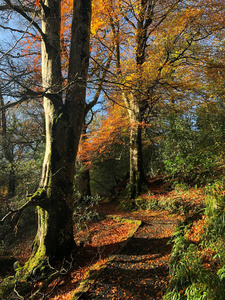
140 270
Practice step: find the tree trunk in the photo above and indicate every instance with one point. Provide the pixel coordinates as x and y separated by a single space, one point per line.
7 149
83 179
63 121
136 161
137 100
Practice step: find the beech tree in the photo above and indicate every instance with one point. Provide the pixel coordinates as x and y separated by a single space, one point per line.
64 106
156 54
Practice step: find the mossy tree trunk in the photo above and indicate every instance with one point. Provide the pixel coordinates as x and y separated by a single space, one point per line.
64 117
83 183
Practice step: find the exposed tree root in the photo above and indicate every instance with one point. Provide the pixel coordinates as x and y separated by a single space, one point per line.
23 283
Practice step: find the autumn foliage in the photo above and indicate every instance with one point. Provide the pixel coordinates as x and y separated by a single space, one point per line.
156 79
110 129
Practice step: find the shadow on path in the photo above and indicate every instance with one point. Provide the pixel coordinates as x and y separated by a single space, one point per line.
140 270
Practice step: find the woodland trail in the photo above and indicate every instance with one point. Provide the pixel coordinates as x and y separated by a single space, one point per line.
140 270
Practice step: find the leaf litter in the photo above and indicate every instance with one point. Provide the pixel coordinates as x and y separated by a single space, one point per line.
139 271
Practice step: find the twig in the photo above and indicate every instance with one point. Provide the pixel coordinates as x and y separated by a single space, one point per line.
35 200
13 46
45 284
57 274
18 295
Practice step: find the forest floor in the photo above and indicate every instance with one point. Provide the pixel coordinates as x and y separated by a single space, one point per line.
140 269
123 256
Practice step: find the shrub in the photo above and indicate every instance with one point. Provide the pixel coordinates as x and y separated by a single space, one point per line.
197 264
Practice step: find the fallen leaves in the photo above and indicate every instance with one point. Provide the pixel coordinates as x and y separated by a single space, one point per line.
140 270
105 237
195 233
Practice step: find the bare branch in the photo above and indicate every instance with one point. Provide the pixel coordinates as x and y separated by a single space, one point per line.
17 211
36 199
17 41
22 11
100 85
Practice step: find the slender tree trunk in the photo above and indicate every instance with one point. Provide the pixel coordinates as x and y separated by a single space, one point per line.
7 148
83 180
137 99
136 161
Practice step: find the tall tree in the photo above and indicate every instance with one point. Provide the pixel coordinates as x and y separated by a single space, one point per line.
155 43
64 106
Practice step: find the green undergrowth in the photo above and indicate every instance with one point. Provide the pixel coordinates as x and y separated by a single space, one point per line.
175 203
197 264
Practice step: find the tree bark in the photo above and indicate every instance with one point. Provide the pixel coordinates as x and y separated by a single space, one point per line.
63 122
136 160
83 179
136 100
7 147
83 182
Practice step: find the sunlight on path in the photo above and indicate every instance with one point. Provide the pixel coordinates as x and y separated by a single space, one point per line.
140 270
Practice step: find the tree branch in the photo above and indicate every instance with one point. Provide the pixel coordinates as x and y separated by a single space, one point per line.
21 11
17 41
90 105
35 200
